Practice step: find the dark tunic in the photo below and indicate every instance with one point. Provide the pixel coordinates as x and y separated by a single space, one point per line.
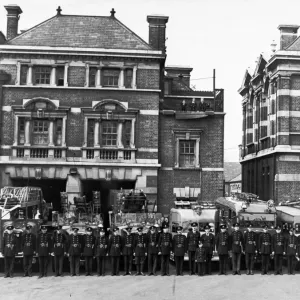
165 243
291 245
265 243
28 244
9 245
43 244
115 245
153 243
278 243
237 241
208 242
101 246
250 242
192 240
200 255
222 243
140 245
179 244
88 245
75 245
128 241
59 244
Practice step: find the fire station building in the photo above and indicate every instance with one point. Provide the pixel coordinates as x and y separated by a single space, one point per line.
86 105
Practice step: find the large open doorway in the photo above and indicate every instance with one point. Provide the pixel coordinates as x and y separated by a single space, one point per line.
104 187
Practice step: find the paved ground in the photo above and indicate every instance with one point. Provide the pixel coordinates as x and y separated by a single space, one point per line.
155 288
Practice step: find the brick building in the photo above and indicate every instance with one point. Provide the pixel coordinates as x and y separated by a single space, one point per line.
270 150
81 98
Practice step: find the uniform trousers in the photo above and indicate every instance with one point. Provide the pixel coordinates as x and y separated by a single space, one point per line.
101 265
9 262
43 265
236 261
152 263
192 263
139 261
165 264
249 261
74 264
27 264
208 258
265 260
88 260
291 263
201 268
179 264
278 263
128 263
58 264
223 261
115 265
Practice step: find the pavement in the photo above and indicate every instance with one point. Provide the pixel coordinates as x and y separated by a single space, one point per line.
185 287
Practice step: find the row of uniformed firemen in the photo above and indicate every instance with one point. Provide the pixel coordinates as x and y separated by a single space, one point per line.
154 245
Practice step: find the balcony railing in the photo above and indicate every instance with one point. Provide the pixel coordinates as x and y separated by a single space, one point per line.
39 153
34 152
109 154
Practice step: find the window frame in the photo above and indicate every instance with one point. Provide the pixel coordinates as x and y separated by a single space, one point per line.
35 76
187 145
104 83
105 136
40 134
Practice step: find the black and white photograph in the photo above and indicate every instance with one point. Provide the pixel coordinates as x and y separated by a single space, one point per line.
150 150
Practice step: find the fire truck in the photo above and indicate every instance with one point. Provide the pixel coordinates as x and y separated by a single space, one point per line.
20 206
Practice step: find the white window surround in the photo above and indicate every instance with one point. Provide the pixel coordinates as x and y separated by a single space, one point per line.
187 134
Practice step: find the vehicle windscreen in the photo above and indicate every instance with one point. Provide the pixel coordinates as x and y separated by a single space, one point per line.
257 220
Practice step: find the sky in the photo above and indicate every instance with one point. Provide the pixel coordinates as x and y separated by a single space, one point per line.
225 35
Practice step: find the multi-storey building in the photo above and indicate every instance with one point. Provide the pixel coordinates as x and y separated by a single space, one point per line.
270 151
81 98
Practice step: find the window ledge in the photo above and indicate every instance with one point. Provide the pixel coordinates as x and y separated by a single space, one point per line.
264 138
109 148
187 168
39 147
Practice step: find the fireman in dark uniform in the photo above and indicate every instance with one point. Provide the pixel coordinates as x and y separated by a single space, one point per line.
152 250
9 251
237 247
200 258
222 244
291 250
209 244
88 244
165 246
101 251
140 250
128 241
43 250
278 250
74 251
115 250
250 240
265 249
29 248
192 244
59 250
159 232
179 249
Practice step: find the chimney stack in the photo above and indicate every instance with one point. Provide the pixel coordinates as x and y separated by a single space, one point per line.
13 12
288 34
157 32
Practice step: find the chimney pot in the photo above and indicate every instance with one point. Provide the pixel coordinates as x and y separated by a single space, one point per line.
157 31
288 34
13 12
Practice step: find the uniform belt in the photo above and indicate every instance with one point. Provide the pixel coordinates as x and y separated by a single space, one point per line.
28 244
140 245
44 244
223 243
237 242
291 245
9 245
250 242
166 244
279 243
58 244
152 244
75 245
266 243
128 245
88 245
179 245
102 246
116 245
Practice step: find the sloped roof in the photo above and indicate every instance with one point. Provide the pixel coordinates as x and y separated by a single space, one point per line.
82 32
295 46
231 170
260 65
237 178
247 78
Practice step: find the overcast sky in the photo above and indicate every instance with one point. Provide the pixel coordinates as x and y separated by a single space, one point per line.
227 35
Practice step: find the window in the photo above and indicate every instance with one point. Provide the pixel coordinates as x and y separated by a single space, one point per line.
111 77
23 75
127 134
60 72
128 78
58 132
90 133
42 75
187 153
21 137
109 134
40 132
92 77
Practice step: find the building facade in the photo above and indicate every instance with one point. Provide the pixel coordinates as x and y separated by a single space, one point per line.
270 150
81 110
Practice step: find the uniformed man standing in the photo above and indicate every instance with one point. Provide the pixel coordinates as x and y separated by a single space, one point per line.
29 248
43 250
59 250
140 250
237 247
278 250
128 241
101 251
192 244
152 250
9 251
291 249
200 258
165 246
88 244
250 240
74 251
115 250
265 249
179 249
222 244
159 232
209 244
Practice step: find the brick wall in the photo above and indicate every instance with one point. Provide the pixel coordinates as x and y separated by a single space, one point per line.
76 76
287 190
283 102
211 185
148 79
294 124
12 71
7 128
147 136
75 132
